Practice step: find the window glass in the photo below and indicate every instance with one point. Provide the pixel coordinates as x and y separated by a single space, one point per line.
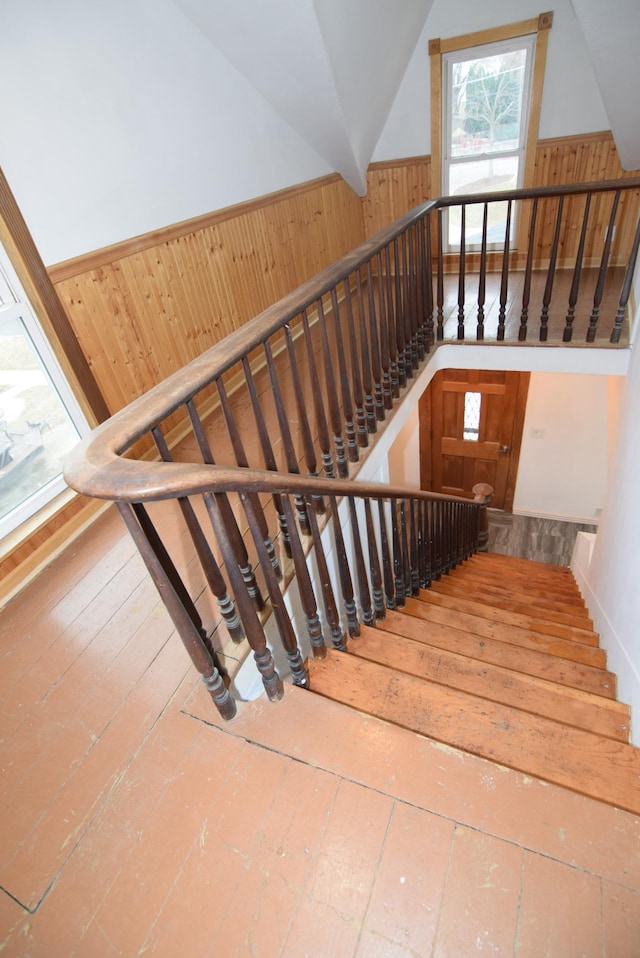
471 428
40 421
486 99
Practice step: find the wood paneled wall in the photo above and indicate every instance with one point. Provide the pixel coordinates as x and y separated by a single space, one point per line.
144 308
394 187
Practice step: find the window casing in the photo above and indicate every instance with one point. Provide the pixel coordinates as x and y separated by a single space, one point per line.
537 28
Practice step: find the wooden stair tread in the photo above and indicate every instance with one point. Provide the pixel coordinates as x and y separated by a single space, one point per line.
474 605
547 570
516 602
529 693
524 638
520 582
585 762
560 577
529 661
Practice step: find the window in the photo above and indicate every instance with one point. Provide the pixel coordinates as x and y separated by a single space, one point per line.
486 93
471 424
40 420
486 108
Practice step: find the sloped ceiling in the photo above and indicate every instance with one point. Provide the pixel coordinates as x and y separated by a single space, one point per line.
330 68
612 34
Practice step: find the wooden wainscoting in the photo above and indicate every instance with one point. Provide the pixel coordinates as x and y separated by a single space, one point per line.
144 308
395 186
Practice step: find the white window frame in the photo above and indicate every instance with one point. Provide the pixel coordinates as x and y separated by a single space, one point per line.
526 42
14 304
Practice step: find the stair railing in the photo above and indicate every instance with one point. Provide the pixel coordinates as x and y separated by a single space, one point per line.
257 438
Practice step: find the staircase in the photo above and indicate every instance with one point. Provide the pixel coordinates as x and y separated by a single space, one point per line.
497 658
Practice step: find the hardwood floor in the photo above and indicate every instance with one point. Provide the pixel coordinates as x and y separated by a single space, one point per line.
135 821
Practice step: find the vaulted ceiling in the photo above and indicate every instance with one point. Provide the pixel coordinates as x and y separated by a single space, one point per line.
330 68
612 34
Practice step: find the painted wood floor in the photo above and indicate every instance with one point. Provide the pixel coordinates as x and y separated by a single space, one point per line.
135 822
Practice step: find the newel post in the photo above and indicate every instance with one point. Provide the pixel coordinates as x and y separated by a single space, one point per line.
482 493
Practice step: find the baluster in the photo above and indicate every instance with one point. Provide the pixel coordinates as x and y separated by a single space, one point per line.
376 365
504 283
422 555
367 379
346 582
404 543
207 560
413 548
235 536
602 273
242 461
267 450
387 567
421 282
375 570
283 622
287 440
385 358
626 288
345 388
429 282
332 396
526 292
461 270
397 555
412 280
178 603
445 535
483 275
360 567
304 426
548 289
577 272
356 376
437 539
400 338
305 585
440 286
328 596
411 355
318 406
459 518
393 336
427 545
253 628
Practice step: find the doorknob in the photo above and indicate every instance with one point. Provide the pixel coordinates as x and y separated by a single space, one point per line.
503 449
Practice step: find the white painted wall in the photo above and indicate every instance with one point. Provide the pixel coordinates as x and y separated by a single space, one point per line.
579 110
121 118
564 473
564 458
613 580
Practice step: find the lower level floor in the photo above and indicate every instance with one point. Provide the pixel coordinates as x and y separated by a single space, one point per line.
135 821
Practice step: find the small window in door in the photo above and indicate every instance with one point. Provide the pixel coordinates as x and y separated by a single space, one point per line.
486 100
471 428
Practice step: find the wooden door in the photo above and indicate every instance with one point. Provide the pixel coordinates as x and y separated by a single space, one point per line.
471 430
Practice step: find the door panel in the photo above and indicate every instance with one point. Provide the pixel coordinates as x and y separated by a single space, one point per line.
453 464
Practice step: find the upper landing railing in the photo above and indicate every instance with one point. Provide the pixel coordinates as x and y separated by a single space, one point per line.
234 473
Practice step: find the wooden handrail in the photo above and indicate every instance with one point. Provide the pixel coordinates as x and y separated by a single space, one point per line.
334 357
